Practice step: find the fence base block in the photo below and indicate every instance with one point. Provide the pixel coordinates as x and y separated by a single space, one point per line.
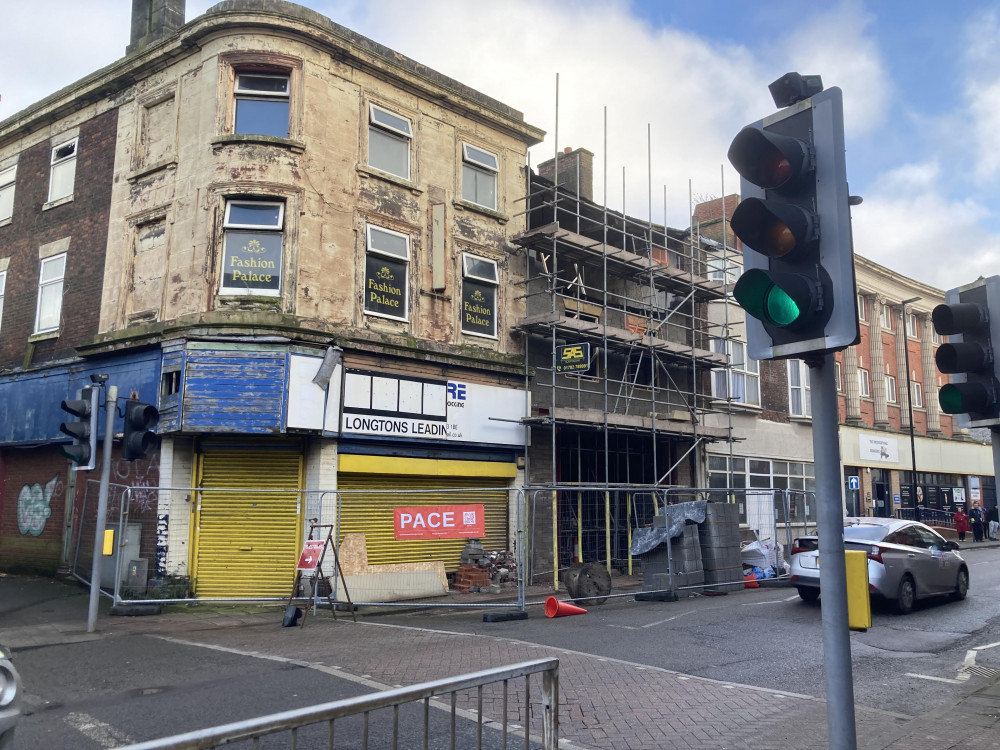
656 596
505 616
136 610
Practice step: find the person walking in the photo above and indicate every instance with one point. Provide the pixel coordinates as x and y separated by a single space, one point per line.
961 523
994 516
977 523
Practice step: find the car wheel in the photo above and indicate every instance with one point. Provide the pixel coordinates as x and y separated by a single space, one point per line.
808 594
906 595
961 586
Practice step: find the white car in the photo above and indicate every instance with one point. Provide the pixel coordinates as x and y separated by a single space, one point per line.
907 561
10 709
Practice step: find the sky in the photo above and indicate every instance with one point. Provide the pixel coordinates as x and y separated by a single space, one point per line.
666 85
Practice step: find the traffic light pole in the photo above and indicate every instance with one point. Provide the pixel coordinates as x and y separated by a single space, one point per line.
102 507
833 571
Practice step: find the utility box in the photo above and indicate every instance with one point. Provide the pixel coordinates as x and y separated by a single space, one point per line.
859 604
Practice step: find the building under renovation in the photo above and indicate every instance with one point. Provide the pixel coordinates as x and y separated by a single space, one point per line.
619 351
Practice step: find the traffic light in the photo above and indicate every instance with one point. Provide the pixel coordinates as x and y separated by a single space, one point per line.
140 419
85 407
794 221
971 321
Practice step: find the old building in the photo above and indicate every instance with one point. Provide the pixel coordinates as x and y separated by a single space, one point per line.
295 242
771 411
617 338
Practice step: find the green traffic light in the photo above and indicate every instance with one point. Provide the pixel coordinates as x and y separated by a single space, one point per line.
950 399
758 294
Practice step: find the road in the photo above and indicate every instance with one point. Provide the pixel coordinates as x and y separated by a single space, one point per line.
102 692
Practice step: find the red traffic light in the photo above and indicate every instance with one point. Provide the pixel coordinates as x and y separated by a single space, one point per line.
138 437
770 160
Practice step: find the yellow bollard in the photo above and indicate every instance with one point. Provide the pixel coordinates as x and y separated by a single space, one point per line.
859 605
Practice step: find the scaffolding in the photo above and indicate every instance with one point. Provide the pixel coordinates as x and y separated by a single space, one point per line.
636 294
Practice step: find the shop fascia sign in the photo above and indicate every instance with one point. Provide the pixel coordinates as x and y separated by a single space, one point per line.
446 410
878 448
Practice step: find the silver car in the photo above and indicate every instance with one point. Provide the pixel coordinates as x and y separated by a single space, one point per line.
907 561
10 709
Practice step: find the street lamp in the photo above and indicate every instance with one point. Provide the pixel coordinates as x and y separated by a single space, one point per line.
909 403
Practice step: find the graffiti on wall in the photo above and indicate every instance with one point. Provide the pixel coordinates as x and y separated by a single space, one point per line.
33 508
162 532
142 477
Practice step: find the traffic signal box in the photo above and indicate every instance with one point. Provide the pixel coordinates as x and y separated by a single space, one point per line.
797 286
138 436
85 407
970 318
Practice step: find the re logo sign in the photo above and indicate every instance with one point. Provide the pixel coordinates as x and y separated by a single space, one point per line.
440 522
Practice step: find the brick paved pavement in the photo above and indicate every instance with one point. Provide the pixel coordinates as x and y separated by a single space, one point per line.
604 703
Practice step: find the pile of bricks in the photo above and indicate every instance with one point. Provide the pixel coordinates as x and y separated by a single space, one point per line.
469 575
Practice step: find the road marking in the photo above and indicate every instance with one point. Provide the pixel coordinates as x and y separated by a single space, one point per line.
791 598
682 614
935 679
103 734
769 601
983 648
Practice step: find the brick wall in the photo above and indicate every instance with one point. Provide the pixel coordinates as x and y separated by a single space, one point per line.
774 390
32 510
84 220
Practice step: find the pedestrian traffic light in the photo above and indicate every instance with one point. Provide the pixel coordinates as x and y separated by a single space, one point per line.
970 318
794 221
138 437
83 450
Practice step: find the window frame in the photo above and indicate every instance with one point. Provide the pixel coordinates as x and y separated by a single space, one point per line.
917 389
885 317
481 280
804 386
838 377
864 383
57 161
277 229
891 395
912 332
372 249
42 285
480 167
862 308
748 373
249 94
389 131
3 287
8 184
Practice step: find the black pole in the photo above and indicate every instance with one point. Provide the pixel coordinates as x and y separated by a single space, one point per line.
909 403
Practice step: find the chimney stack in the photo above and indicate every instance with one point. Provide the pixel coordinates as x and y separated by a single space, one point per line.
576 171
153 20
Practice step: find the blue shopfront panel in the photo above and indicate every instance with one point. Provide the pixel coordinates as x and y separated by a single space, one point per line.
233 390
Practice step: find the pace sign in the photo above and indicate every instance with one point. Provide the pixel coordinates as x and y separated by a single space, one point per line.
440 522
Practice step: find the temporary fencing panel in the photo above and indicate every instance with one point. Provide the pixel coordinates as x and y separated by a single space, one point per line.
246 535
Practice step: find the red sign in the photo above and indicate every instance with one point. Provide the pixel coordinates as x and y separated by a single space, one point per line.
441 522
311 553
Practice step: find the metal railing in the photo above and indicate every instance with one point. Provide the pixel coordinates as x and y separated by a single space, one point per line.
294 722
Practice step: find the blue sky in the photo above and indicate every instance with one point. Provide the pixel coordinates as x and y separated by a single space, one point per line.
921 84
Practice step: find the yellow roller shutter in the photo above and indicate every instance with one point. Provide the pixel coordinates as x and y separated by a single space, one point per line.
367 508
247 544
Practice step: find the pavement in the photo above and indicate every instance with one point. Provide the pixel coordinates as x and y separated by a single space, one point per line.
604 702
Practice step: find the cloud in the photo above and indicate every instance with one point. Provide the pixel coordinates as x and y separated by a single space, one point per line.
982 90
908 225
838 44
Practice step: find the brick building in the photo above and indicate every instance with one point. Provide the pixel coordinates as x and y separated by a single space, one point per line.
294 242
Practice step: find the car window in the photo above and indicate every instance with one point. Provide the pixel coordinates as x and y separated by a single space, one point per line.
866 533
929 540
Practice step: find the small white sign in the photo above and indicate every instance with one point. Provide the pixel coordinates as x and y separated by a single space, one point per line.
879 448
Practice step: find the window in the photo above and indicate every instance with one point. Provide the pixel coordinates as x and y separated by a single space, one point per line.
386 266
912 326
389 142
862 309
7 192
50 290
885 317
864 383
261 104
798 389
723 270
252 248
741 382
935 337
3 285
479 295
890 389
917 389
837 377
479 176
63 170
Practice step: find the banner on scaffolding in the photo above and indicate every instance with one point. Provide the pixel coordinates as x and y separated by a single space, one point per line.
573 358
440 522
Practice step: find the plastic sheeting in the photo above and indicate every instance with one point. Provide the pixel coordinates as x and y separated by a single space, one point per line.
646 539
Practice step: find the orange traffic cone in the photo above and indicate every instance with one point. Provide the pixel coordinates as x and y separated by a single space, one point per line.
556 608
